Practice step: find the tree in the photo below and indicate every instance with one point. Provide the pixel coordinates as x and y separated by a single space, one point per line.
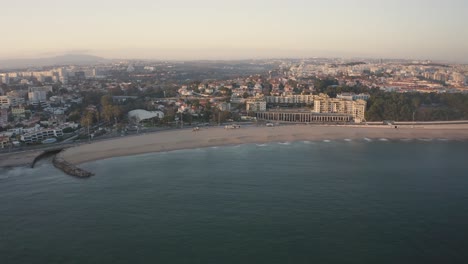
75 116
88 119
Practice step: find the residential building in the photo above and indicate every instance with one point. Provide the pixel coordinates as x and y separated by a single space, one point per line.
5 78
3 117
325 104
255 105
353 96
4 141
40 135
6 101
307 99
18 112
36 97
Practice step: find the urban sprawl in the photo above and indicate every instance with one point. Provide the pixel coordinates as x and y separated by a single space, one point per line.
71 103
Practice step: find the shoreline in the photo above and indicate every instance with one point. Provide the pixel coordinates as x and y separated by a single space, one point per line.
218 136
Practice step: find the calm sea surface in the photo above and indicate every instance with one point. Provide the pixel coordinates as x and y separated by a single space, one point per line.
301 202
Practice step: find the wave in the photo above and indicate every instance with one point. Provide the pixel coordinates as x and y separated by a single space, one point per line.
6 173
284 143
261 145
425 139
367 139
348 140
327 141
383 139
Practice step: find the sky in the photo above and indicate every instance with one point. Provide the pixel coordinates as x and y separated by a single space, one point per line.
225 29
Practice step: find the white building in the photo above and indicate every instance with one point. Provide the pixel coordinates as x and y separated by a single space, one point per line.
255 105
141 114
353 96
327 105
307 99
38 136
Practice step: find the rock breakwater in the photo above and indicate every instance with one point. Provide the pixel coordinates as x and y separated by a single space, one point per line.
70 169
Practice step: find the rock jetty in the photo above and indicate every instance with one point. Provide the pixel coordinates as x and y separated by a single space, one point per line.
70 169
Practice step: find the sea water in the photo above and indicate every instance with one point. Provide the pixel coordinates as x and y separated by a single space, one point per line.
288 202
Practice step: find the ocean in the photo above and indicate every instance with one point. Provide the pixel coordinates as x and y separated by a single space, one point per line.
286 202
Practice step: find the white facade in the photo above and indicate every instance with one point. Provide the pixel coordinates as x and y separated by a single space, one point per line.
327 105
141 114
353 96
307 99
41 135
255 105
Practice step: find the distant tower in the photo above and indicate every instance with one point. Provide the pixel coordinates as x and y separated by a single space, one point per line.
381 61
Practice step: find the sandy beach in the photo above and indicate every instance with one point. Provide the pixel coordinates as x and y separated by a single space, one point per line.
219 136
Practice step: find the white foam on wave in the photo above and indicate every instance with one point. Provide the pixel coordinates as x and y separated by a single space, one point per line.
383 139
425 139
307 142
406 139
285 143
327 141
16 172
261 145
348 140
367 139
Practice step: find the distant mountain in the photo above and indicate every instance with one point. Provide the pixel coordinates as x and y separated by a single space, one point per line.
68 59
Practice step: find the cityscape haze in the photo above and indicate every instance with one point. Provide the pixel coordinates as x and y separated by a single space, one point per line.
208 29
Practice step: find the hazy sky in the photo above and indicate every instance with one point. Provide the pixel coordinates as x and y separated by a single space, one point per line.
221 29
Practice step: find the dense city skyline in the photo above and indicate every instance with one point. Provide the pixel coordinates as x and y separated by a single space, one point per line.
210 29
